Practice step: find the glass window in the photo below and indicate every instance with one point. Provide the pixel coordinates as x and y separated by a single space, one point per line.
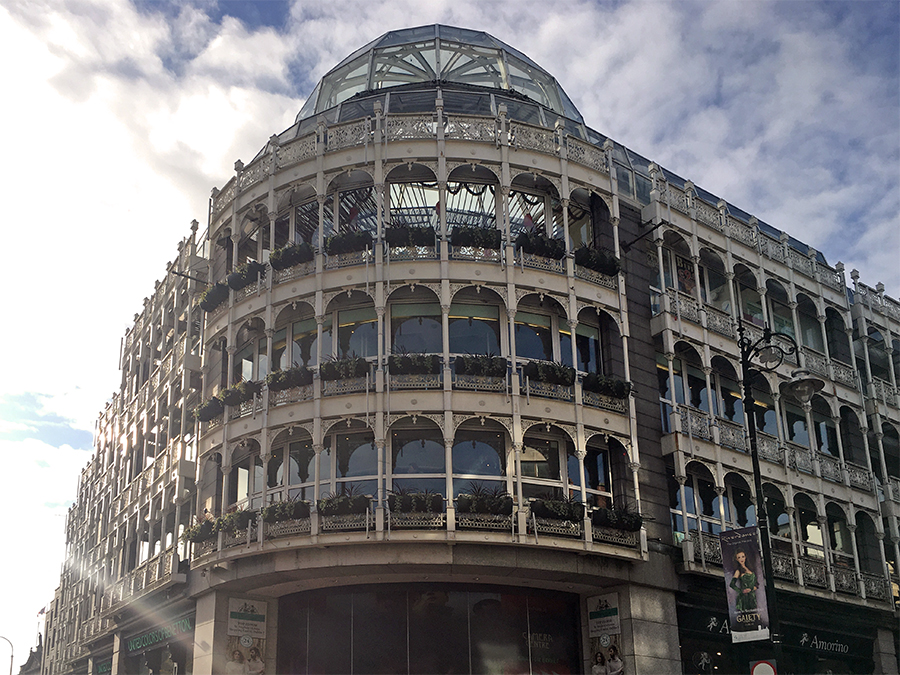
306 223
417 451
751 305
358 211
782 322
474 329
305 343
356 454
732 400
415 204
470 205
795 421
416 328
534 339
526 212
242 368
357 332
279 350
479 453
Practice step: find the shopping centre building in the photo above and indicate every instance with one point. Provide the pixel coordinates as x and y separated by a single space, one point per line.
452 383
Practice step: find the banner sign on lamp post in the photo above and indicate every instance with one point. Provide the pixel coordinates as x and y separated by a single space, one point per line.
745 585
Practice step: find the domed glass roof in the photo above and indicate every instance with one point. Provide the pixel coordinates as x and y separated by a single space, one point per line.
442 55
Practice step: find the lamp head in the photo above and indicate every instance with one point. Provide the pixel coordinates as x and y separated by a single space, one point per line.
803 386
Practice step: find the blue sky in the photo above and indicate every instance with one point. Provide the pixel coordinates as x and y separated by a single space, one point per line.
122 116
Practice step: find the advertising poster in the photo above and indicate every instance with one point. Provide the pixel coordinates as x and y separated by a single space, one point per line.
744 585
604 631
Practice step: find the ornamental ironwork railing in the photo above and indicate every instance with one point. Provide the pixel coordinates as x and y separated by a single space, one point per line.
479 383
598 278
694 422
720 322
417 521
814 572
815 362
485 521
731 435
860 477
292 395
296 272
538 262
608 535
830 468
619 405
559 392
706 547
288 528
417 381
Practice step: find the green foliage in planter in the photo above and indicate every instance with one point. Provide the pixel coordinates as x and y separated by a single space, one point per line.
285 510
342 369
209 410
235 522
478 237
481 499
484 365
242 392
246 274
550 373
414 364
619 519
558 509
407 235
407 500
597 260
213 296
280 380
608 386
343 504
288 256
536 243
348 242
200 532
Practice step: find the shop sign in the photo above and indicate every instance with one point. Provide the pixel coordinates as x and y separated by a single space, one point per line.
159 634
247 617
103 667
827 644
745 585
603 615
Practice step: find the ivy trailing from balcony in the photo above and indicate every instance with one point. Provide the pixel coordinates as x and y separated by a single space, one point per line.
348 242
210 409
285 510
607 386
550 373
536 243
288 256
484 365
409 500
408 235
213 296
414 364
199 532
279 380
242 392
246 274
480 499
344 369
236 521
597 260
478 237
558 508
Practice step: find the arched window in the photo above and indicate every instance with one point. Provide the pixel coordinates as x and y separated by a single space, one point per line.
479 457
541 331
835 331
780 318
810 533
748 295
852 439
534 206
810 329
778 519
826 433
417 457
839 535
878 357
471 197
349 460
713 284
867 547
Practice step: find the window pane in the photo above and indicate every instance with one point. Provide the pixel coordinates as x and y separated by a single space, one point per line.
470 204
416 451
302 463
474 329
533 337
356 455
480 453
358 333
540 459
416 328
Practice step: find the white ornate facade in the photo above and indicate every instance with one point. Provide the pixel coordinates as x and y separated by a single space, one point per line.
443 200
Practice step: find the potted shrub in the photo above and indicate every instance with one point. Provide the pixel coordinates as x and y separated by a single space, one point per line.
348 242
209 410
236 521
597 260
199 532
558 508
408 235
550 373
536 243
484 365
213 296
246 274
285 510
242 392
618 519
608 386
288 256
480 499
414 364
280 380
408 500
477 237
342 369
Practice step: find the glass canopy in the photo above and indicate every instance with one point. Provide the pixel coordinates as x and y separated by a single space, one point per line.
438 54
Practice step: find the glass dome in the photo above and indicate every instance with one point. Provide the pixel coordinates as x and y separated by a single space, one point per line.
438 54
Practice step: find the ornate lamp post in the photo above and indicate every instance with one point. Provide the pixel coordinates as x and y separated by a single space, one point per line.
11 654
764 355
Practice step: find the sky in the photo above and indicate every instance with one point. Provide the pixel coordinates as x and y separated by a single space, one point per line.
121 116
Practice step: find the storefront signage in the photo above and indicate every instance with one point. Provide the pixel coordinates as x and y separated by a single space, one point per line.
745 585
177 627
603 615
103 667
247 618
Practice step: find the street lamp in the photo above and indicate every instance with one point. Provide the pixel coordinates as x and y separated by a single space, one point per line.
11 654
763 355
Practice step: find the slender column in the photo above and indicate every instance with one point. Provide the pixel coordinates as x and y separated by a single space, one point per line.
845 474
720 490
735 312
573 326
380 459
811 438
445 339
795 546
664 296
829 565
517 448
231 349
448 471
318 448
861 586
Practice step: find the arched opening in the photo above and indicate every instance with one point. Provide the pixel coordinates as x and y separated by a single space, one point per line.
295 342
589 222
823 424
472 197
852 439
348 463
291 471
867 547
538 330
357 326
810 532
544 460
878 358
810 329
839 536
247 477
417 457
836 334
713 283
778 519
251 360
351 205
479 458
474 322
413 199
415 324
534 206
780 318
748 295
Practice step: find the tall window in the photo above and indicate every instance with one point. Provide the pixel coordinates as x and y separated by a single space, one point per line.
416 328
479 457
417 458
474 329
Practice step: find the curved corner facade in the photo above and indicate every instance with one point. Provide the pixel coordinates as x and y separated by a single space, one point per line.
461 396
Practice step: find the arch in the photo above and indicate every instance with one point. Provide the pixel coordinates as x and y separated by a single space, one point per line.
410 172
474 173
674 240
836 336
417 459
867 547
480 455
350 180
810 329
534 204
701 469
475 322
294 195
776 511
838 533
590 223
852 439
826 432
890 445
540 328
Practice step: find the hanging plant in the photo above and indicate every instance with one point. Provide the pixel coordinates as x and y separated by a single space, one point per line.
285 510
408 235
213 296
409 500
478 237
555 508
414 364
343 369
288 256
480 499
346 503
550 373
242 392
348 242
597 260
540 244
199 532
280 380
607 386
484 365
246 274
209 410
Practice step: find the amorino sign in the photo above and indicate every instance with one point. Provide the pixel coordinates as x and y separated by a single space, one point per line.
827 643
158 634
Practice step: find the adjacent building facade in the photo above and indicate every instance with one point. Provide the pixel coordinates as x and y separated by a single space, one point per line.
467 392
